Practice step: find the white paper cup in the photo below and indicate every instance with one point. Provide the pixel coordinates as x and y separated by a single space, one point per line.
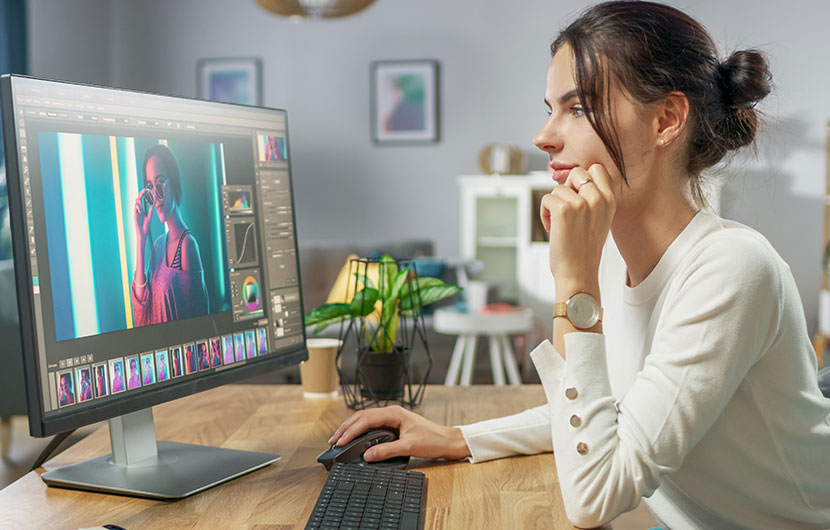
476 294
318 375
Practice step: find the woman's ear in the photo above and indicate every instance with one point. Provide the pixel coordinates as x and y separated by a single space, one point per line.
672 115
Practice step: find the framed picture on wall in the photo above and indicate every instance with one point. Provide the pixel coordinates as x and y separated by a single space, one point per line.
232 80
404 102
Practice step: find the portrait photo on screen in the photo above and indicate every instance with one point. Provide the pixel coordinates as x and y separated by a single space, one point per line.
162 366
227 349
177 361
84 380
133 373
250 344
190 366
215 351
119 383
148 369
115 193
100 375
239 346
66 389
272 148
202 351
262 341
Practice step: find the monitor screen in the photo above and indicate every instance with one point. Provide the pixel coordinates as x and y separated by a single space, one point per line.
155 246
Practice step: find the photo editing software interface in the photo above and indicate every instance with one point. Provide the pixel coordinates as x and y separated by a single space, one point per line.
196 195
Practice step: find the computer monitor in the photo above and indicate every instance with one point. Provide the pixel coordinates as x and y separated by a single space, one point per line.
155 256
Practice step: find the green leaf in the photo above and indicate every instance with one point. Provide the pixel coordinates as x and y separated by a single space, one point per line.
388 269
363 302
420 283
323 325
397 284
428 295
327 312
390 301
365 280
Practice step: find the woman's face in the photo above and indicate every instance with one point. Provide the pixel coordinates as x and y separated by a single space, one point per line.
569 140
157 178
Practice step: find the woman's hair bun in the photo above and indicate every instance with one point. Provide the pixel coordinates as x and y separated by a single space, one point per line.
745 78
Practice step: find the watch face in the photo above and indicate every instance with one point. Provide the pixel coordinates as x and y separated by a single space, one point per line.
582 310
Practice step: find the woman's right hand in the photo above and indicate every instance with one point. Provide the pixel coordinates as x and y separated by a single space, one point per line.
419 436
142 219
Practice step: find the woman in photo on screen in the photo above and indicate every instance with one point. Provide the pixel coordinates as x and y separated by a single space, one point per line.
164 373
86 385
66 394
117 377
171 284
177 362
135 379
149 372
101 381
696 389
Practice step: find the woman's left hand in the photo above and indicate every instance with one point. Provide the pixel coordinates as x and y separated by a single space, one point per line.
578 216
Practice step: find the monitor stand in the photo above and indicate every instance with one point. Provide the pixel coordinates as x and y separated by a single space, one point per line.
140 466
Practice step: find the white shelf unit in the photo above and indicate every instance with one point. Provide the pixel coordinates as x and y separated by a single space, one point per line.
498 214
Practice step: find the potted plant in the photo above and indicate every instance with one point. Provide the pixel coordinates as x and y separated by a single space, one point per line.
386 294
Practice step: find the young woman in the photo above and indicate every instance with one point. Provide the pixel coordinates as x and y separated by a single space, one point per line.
695 387
173 287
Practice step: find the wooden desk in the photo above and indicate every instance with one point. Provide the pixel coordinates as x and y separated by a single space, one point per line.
519 492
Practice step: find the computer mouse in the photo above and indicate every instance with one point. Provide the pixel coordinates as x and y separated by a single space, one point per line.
352 452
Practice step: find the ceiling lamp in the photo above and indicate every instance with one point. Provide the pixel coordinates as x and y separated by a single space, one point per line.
315 8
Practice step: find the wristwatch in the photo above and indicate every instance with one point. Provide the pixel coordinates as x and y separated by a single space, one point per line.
581 309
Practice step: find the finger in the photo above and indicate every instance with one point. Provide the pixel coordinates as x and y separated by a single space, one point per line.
568 195
602 180
590 192
366 420
544 211
388 450
344 426
576 177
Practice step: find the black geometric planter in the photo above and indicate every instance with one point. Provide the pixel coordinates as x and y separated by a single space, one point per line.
382 375
378 379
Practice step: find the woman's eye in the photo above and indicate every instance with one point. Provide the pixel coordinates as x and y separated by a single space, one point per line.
577 111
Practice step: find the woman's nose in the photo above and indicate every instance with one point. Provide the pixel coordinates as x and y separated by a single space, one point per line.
548 139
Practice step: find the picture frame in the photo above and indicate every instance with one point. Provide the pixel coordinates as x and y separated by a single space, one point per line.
405 101
231 80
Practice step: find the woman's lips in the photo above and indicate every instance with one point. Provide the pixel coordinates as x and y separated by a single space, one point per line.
560 175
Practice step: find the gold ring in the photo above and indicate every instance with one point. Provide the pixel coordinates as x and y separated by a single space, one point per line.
586 181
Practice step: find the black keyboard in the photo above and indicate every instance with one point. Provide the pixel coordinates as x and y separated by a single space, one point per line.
364 497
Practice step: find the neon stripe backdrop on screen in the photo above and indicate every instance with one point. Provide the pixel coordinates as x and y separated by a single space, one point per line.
81 282
90 185
119 219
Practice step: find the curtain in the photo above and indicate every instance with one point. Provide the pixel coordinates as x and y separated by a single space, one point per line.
13 59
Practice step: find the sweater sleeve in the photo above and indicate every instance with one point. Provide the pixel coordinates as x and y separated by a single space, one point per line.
720 314
525 433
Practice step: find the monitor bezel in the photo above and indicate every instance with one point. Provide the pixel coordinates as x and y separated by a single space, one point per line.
39 425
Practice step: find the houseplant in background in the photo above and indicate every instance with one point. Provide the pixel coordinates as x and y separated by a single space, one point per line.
380 319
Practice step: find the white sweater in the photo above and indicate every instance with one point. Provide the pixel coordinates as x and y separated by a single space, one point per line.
701 395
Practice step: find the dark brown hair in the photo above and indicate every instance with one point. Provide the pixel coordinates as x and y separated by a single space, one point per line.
163 153
653 49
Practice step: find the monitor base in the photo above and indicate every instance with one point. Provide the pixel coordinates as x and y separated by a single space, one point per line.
178 470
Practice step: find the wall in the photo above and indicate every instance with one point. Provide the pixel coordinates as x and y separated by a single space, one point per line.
493 57
70 40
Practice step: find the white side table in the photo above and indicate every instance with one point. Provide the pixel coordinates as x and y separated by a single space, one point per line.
468 327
